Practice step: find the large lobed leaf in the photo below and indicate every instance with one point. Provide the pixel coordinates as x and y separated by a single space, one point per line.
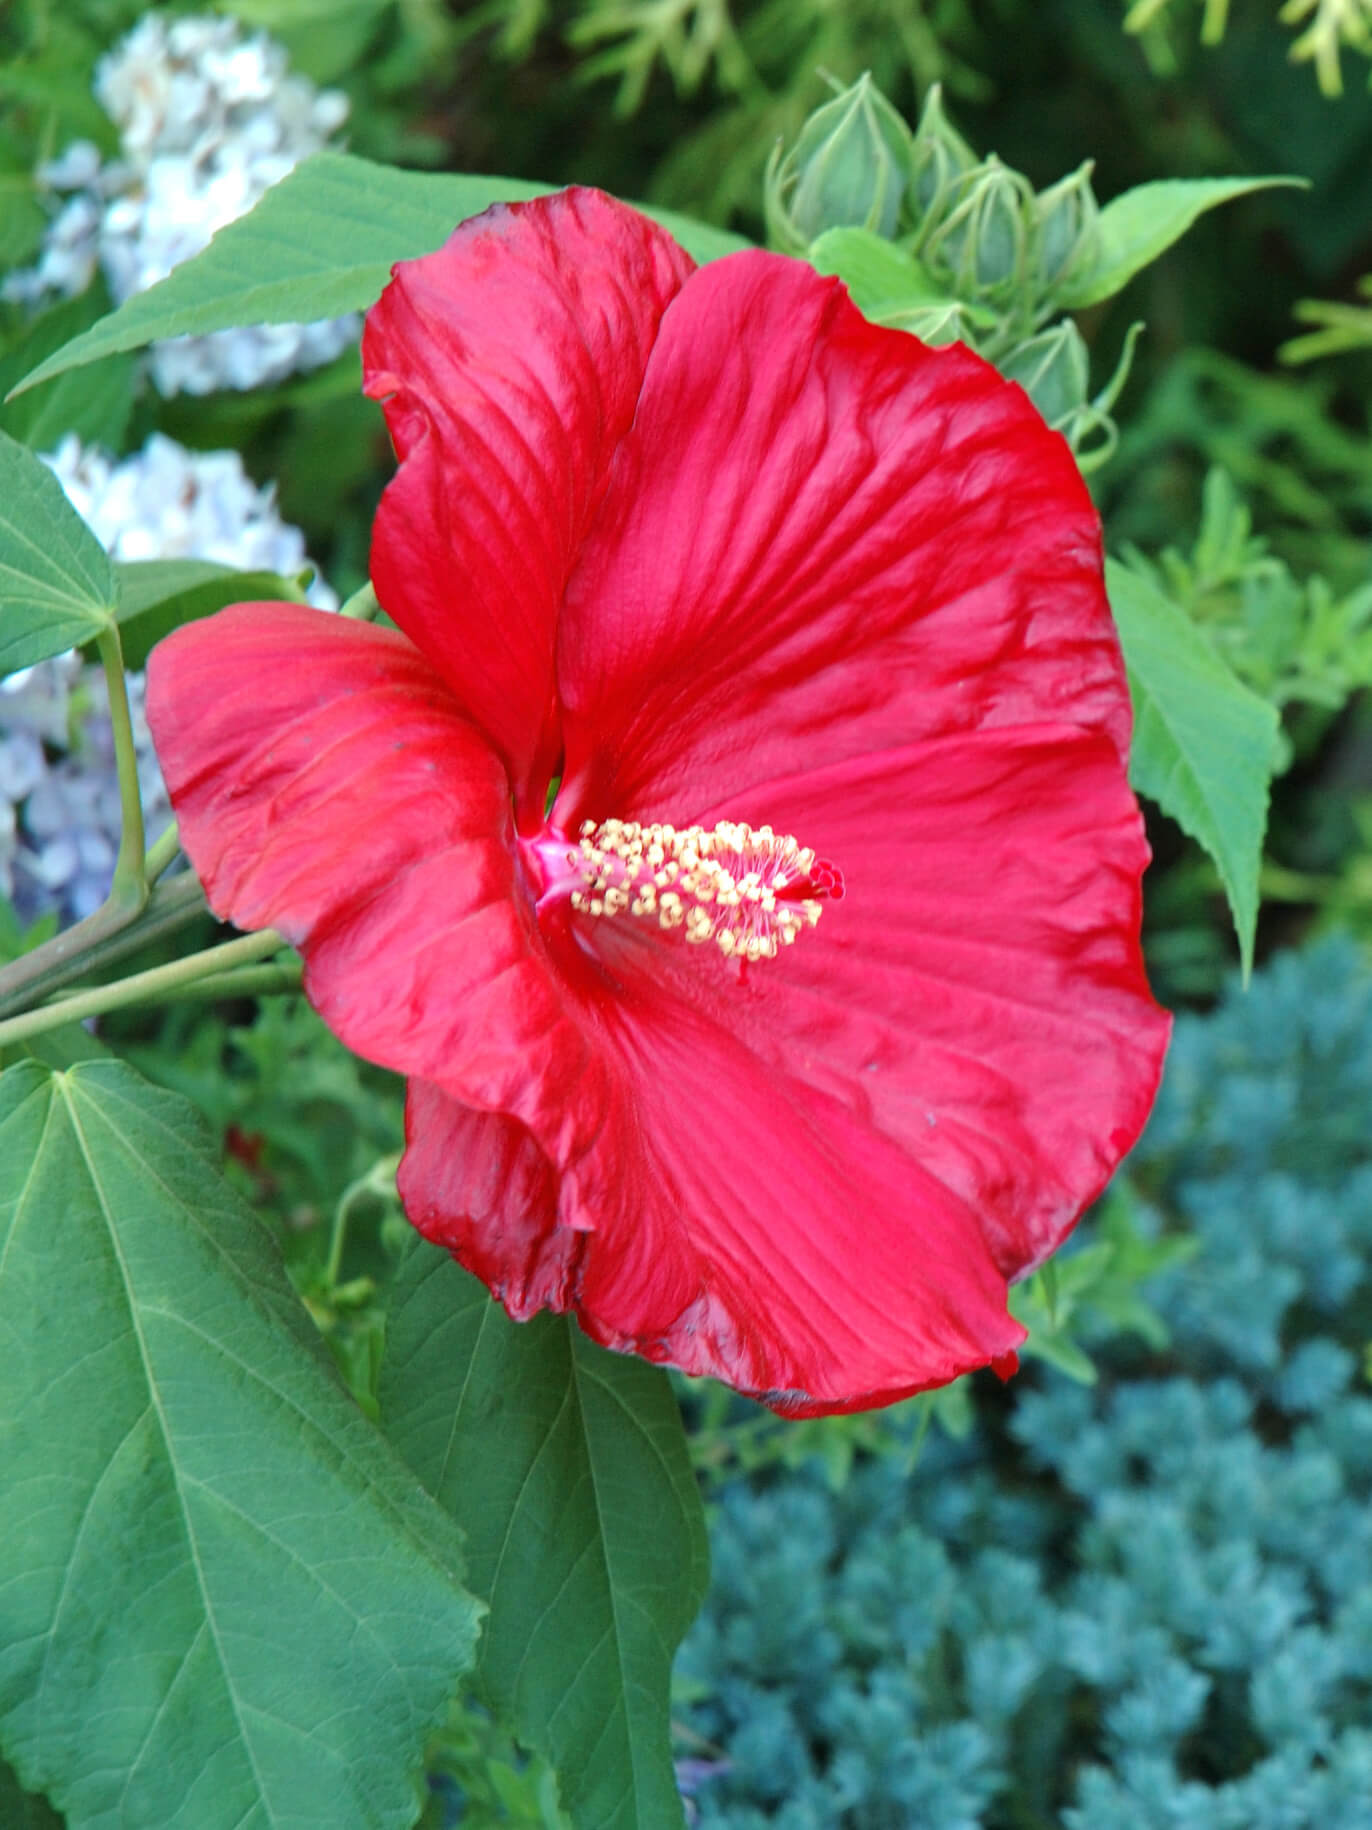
320 243
567 1468
224 1603
57 587
1204 745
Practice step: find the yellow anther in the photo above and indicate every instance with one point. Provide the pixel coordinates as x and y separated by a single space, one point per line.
743 887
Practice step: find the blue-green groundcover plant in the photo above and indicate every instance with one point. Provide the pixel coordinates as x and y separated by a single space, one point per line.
1142 1605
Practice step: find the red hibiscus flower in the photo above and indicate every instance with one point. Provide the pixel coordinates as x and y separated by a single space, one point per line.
734 848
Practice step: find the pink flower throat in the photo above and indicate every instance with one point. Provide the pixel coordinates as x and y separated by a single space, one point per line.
748 889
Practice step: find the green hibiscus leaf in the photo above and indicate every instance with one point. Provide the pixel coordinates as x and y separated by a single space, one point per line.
22 217
225 1604
566 1467
1142 224
96 406
1204 745
57 587
320 243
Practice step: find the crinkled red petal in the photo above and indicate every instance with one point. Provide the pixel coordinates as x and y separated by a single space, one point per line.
477 1184
744 1225
821 539
326 784
979 994
509 363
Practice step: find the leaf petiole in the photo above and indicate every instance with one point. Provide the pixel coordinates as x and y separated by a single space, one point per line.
153 986
239 982
88 946
129 889
162 853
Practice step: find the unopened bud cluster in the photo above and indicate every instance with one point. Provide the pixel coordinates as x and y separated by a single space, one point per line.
748 889
208 120
978 228
991 259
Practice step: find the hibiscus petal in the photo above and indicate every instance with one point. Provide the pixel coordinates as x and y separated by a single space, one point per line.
834 1272
821 538
510 363
978 996
326 784
311 759
477 1184
745 1226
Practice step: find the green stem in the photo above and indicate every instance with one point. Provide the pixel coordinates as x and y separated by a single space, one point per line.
130 887
378 1181
162 853
65 956
89 946
141 987
66 951
239 982
338 1235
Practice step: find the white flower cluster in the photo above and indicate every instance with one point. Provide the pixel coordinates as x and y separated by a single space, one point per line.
59 797
169 503
208 120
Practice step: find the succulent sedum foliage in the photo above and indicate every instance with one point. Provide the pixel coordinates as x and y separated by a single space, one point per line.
1119 1606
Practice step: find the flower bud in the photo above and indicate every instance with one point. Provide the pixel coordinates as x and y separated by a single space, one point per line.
848 169
985 247
1067 216
1054 370
941 160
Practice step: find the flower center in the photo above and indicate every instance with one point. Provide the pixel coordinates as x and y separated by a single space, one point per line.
746 888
